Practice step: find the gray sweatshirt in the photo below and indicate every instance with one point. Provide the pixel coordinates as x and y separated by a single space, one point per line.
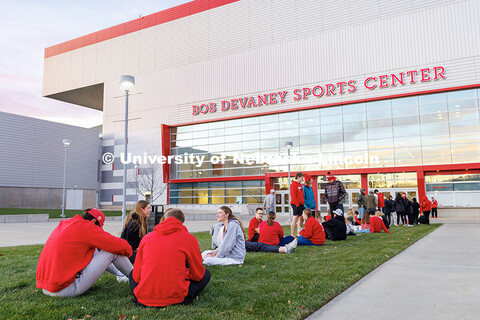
233 244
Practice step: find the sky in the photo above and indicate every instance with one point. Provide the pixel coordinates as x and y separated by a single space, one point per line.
30 26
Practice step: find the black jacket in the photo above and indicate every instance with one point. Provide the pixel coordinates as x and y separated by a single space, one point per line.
389 206
416 207
131 232
337 227
399 205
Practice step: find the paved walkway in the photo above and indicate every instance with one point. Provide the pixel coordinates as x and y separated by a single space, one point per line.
436 278
17 234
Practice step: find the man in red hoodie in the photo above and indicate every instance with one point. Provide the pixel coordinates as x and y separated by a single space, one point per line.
425 208
296 202
70 264
168 267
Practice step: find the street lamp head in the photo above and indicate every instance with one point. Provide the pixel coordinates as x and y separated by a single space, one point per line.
127 82
66 143
288 145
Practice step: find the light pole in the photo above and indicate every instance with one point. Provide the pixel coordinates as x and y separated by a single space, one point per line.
66 146
289 145
126 83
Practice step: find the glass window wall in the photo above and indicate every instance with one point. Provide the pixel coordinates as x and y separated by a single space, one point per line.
437 128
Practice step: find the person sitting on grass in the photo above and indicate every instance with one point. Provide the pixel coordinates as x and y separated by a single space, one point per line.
168 268
271 232
356 218
228 240
253 232
313 234
349 224
377 224
136 227
382 215
70 262
365 223
318 215
335 228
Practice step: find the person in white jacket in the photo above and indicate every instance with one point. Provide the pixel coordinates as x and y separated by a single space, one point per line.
228 240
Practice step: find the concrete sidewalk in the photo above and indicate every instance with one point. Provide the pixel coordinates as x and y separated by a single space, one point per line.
436 278
18 234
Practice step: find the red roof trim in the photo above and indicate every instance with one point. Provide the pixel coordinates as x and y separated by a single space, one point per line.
168 15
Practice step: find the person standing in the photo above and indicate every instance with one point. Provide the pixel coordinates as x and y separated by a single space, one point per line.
297 203
389 209
434 208
160 276
308 196
425 207
416 210
399 206
409 209
334 193
361 202
76 254
269 202
371 203
380 200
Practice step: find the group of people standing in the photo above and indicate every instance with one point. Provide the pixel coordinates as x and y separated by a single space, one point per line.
403 209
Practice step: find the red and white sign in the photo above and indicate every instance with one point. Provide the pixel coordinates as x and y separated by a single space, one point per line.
329 89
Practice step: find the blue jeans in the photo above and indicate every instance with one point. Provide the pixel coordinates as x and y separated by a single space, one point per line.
363 231
302 241
285 240
361 210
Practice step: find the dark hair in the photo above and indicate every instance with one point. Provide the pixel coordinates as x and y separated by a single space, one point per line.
356 212
365 218
298 175
270 217
230 215
87 216
375 191
256 210
414 199
176 213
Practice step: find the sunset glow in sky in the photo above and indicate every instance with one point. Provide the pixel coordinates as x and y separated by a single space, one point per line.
30 26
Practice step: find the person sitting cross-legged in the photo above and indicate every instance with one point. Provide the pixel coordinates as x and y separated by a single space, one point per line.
168 267
76 254
313 234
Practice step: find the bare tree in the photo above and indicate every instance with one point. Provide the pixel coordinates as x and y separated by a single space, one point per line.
148 178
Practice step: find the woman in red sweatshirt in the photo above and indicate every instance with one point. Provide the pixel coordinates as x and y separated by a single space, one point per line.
313 234
271 232
70 264
425 208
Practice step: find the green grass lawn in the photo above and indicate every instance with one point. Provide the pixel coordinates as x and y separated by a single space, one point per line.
268 285
53 213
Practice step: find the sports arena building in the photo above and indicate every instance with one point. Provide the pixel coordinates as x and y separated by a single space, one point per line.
383 94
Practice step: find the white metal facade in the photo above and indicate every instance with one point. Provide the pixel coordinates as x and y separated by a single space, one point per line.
252 47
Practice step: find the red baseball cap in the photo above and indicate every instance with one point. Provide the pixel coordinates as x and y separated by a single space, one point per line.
307 177
97 214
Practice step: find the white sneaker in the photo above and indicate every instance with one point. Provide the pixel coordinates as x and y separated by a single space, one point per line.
122 279
291 246
409 225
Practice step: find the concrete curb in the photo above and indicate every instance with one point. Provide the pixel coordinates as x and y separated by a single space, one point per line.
24 218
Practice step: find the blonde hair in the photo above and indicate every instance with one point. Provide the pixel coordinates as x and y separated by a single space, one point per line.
230 215
318 214
308 213
350 212
379 213
141 204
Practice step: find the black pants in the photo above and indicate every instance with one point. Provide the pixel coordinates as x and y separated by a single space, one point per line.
389 218
427 216
193 289
400 215
255 237
434 213
410 218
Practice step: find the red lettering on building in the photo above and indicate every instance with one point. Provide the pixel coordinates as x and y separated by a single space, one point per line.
425 76
263 100
318 95
340 85
251 102
213 107
330 89
439 73
352 86
383 80
234 104
282 95
412 74
366 83
297 94
225 105
273 98
195 110
306 92
400 80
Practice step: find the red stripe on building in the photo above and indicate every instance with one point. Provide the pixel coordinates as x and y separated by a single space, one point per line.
155 19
